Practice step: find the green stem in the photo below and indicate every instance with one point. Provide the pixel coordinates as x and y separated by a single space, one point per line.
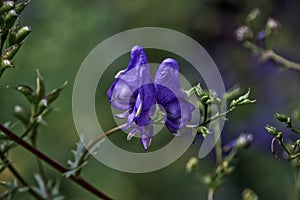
40 167
296 196
210 194
101 137
217 116
77 179
271 55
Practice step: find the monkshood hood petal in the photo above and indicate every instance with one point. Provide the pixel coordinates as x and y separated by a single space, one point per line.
133 92
171 97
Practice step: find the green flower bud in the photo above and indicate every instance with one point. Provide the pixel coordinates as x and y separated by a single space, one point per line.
273 24
192 165
249 195
28 92
20 7
5 64
10 19
244 141
21 34
10 52
272 130
253 15
6 6
282 117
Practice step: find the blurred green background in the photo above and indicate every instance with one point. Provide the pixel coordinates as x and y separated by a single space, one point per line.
65 31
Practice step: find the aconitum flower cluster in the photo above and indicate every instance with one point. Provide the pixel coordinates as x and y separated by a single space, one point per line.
134 92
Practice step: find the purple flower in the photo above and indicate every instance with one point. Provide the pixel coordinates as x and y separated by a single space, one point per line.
134 92
171 97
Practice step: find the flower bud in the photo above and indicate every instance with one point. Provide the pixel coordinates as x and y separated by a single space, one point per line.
243 33
21 114
253 15
282 117
192 164
22 33
20 7
272 130
10 52
273 24
5 64
6 6
248 194
27 92
203 131
10 19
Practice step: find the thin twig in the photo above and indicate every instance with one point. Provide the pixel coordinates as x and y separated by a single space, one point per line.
271 55
80 181
20 178
101 137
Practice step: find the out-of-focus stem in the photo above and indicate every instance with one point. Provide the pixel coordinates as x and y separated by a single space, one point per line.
271 55
210 195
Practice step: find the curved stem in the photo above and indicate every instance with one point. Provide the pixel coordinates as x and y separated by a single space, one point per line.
80 181
89 147
270 54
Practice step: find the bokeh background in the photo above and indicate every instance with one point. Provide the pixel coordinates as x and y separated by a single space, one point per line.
65 31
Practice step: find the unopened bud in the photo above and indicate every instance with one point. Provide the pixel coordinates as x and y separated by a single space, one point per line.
192 164
6 6
253 15
243 33
273 24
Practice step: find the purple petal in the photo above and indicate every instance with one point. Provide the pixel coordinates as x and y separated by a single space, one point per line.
171 97
132 133
127 82
148 100
146 135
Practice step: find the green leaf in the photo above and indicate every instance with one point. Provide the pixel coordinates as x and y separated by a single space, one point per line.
242 100
28 92
203 131
52 96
